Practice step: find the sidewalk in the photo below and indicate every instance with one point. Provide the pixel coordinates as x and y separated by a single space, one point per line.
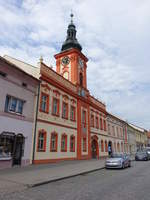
20 178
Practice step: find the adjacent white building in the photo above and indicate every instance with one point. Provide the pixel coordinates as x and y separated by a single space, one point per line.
18 94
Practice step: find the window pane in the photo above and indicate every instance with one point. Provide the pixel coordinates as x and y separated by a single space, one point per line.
44 103
20 106
13 104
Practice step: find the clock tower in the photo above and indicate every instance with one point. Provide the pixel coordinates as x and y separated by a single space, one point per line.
71 62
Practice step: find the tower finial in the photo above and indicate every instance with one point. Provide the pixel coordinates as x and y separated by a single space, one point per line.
71 15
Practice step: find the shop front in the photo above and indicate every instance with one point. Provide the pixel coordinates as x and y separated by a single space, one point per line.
11 149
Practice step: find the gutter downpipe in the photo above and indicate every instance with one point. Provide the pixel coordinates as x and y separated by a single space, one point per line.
34 139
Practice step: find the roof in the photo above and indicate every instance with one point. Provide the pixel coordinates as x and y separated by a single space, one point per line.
116 117
29 69
137 128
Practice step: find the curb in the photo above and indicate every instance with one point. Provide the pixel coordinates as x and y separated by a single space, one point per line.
62 178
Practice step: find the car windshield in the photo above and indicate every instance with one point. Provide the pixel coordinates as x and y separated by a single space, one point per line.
117 156
141 152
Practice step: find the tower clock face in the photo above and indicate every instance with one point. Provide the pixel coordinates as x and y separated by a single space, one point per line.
65 60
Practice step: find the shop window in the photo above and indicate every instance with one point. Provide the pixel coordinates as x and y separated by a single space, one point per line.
53 142
72 113
41 141
72 143
92 120
44 104
84 144
102 146
14 105
97 124
64 110
64 143
55 107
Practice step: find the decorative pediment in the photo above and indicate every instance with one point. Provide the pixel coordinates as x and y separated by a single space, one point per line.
65 97
45 86
56 93
73 101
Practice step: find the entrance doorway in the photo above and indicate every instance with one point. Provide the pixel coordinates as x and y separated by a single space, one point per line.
94 147
18 149
110 148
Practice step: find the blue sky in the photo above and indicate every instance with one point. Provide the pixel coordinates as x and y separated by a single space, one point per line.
114 35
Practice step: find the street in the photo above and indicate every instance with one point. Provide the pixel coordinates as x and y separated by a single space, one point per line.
131 183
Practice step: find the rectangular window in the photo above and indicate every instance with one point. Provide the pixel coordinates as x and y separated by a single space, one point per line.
84 121
72 113
64 110
44 107
84 144
109 129
92 120
53 146
97 124
101 123
14 105
55 108
42 141
113 130
64 143
72 143
104 125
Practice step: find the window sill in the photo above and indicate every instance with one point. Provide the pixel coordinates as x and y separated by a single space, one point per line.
55 115
41 150
65 118
73 120
14 113
44 111
53 150
63 150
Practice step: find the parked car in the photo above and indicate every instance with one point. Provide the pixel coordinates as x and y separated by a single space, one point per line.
147 149
141 155
118 161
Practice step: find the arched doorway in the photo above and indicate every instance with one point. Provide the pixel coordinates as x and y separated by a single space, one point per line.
94 147
110 147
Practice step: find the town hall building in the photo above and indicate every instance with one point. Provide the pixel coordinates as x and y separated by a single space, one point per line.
69 123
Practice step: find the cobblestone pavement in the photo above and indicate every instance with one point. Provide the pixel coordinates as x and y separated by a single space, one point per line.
128 184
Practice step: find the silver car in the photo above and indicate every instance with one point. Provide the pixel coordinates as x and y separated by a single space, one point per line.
118 161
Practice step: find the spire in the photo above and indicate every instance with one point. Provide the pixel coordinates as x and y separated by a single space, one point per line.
71 40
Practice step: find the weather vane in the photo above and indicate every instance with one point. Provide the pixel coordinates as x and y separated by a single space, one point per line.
71 15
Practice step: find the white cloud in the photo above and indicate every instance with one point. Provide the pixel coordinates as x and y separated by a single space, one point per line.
114 36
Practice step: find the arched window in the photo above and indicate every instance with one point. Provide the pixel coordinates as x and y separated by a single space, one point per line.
122 146
102 146
118 147
106 146
115 146
81 79
72 143
53 142
41 145
64 142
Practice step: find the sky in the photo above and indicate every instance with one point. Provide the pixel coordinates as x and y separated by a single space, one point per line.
114 34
